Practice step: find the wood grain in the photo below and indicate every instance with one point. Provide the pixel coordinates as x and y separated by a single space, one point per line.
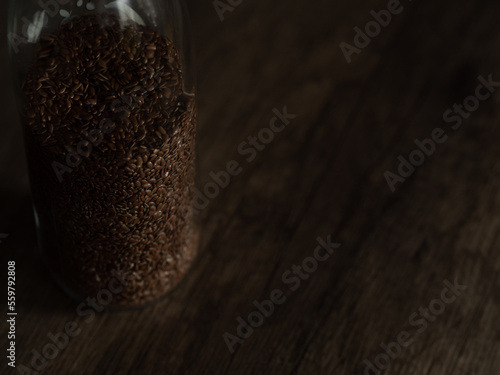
323 175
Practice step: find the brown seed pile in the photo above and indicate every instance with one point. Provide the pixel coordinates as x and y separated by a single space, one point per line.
111 147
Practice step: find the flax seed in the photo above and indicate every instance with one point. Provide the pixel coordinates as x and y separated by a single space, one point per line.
127 204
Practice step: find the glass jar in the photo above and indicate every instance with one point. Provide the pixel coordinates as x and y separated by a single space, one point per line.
106 97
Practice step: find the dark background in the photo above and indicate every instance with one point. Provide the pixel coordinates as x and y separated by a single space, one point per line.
323 175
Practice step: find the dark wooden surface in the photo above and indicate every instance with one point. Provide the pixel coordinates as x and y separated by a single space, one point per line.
322 176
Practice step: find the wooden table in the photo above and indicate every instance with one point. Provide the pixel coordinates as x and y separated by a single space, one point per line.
390 282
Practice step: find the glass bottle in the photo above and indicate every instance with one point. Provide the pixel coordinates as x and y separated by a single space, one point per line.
106 98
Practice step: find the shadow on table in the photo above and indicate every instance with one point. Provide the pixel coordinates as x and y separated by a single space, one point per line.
36 292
